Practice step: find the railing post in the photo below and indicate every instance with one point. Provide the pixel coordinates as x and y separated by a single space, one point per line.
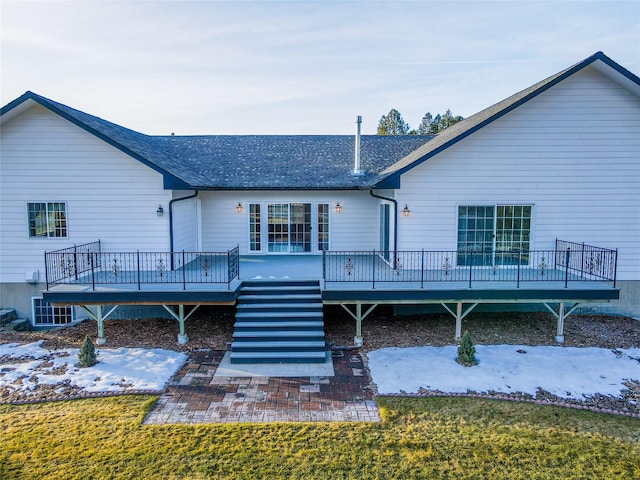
518 278
615 267
93 276
566 270
373 266
422 267
184 281
324 267
46 269
237 262
138 267
582 262
75 261
470 271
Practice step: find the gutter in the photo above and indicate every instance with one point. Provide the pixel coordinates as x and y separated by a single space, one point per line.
395 224
171 220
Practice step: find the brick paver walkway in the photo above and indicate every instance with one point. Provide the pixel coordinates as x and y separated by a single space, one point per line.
195 395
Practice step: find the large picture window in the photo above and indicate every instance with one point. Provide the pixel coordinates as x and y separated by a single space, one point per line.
47 219
494 234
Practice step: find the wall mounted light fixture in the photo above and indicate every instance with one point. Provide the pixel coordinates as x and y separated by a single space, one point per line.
160 211
338 207
405 211
239 208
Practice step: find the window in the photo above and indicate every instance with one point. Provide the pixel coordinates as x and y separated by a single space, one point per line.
255 238
47 219
494 234
323 226
46 314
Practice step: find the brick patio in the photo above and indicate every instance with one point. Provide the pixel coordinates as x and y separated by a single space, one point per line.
195 395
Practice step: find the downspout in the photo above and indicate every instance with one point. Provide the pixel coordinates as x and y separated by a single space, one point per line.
395 224
171 221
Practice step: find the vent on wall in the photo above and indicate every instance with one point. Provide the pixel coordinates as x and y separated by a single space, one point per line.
32 276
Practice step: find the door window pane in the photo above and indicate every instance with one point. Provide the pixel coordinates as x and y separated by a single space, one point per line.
278 220
255 237
479 244
475 235
323 226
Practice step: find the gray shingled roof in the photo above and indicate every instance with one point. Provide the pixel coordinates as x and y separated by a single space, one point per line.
295 161
249 161
284 162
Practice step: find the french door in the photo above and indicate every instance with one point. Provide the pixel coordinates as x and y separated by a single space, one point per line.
289 227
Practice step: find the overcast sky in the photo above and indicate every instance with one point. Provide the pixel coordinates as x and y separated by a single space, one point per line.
297 67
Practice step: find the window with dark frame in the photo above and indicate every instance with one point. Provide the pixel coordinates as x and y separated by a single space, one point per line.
494 234
47 219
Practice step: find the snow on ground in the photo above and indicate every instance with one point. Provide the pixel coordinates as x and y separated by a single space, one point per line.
567 372
23 367
563 371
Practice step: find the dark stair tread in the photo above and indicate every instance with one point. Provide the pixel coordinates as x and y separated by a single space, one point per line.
302 345
286 306
270 315
264 334
277 298
281 324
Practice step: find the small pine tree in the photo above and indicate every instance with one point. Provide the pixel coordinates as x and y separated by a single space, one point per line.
87 355
466 351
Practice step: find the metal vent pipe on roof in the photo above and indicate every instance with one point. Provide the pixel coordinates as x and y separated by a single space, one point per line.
357 170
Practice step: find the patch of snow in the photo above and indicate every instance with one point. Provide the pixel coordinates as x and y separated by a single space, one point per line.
567 372
117 370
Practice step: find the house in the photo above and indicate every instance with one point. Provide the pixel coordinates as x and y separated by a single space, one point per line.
535 199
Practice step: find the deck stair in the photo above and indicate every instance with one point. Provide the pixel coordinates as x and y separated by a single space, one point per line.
279 321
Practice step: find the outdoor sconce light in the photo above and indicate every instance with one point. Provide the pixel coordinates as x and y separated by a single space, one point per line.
160 211
405 211
338 207
239 208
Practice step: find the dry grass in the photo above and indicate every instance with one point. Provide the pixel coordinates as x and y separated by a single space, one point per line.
419 438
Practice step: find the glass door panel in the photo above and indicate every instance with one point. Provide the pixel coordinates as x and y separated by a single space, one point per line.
278 221
300 227
289 227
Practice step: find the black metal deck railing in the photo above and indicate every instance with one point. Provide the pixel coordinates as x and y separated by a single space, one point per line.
87 265
568 262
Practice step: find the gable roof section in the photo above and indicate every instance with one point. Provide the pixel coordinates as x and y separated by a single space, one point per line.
468 126
245 162
139 146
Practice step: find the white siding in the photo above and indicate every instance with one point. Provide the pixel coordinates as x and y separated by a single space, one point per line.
355 228
109 195
186 225
573 153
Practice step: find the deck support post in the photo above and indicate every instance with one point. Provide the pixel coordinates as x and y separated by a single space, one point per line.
459 315
560 315
181 318
560 327
458 335
99 317
359 316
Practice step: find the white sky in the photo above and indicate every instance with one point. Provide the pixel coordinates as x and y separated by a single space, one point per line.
297 67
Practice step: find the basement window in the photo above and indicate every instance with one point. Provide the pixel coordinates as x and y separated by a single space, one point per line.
45 314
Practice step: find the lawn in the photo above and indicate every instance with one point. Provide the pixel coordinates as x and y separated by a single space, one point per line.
419 438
